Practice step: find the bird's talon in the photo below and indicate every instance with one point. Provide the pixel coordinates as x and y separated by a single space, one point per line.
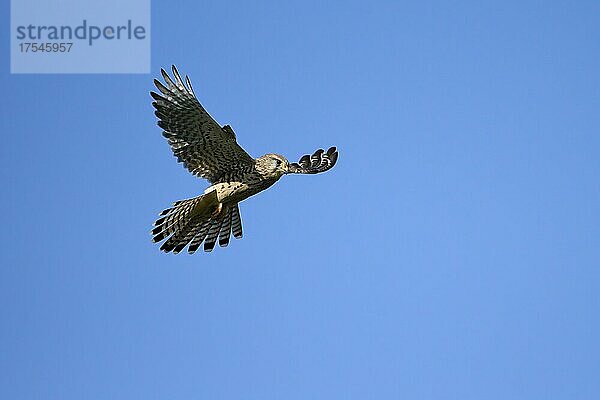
217 211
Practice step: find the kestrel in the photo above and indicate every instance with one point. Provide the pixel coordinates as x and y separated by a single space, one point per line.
210 151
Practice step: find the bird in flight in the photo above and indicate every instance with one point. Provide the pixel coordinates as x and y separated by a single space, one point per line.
210 151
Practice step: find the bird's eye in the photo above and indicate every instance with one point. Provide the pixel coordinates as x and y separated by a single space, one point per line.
277 162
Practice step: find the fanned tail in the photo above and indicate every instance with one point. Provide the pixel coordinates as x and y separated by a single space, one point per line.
193 222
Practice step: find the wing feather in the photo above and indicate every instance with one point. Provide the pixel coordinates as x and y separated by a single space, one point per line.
197 140
319 161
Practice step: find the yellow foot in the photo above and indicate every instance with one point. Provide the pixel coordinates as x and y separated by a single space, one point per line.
217 211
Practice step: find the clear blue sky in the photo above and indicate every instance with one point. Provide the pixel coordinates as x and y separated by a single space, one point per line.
453 252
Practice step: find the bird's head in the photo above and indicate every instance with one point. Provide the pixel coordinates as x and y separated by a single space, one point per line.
272 165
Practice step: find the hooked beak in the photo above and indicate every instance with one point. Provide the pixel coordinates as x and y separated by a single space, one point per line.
291 169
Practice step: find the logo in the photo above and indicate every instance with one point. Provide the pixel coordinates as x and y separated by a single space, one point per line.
80 36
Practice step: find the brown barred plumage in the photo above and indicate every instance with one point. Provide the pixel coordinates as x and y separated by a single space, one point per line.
210 151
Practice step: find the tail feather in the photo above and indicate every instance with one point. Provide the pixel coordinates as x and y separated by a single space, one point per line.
199 238
175 218
178 236
213 233
191 222
236 222
225 230
181 238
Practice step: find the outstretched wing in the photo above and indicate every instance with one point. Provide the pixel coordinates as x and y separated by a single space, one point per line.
320 161
197 140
